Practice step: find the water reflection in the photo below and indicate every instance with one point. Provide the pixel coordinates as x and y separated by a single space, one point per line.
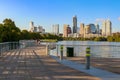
98 49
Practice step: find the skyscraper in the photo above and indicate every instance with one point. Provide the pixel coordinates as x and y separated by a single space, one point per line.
82 29
40 29
97 29
35 29
75 24
87 29
31 26
66 30
93 29
56 29
106 28
69 30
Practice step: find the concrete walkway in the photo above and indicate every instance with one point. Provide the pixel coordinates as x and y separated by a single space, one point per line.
108 64
33 64
102 74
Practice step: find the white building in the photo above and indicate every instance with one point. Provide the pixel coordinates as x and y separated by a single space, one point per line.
97 29
35 29
40 29
106 28
56 29
31 26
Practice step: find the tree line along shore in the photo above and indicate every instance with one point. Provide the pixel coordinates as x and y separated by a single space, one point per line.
9 32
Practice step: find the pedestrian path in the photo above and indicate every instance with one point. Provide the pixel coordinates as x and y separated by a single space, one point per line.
33 64
102 74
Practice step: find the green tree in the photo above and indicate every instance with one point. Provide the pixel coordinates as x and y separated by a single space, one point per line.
9 31
110 38
25 35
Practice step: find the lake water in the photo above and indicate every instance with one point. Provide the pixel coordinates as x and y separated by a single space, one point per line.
98 49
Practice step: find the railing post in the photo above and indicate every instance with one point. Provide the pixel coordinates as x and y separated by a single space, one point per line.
61 52
13 45
0 49
9 46
6 46
88 58
57 50
18 45
47 49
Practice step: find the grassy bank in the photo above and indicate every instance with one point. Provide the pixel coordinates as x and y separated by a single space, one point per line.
48 40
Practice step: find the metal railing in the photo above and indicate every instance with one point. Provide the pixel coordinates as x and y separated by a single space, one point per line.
27 43
6 46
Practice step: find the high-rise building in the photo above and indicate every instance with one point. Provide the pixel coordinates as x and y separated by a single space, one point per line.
66 30
106 28
93 29
87 29
35 29
40 29
69 30
100 32
97 29
43 31
75 24
31 26
56 29
82 29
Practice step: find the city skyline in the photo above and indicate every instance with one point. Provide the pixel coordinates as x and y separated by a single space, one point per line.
49 12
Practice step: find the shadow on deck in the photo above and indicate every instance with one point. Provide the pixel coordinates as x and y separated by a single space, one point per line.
32 64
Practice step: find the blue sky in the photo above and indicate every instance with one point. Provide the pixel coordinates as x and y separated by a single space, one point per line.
48 12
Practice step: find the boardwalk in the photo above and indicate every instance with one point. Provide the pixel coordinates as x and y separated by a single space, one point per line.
33 64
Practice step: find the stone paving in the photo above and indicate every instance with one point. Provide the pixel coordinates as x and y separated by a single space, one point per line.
32 64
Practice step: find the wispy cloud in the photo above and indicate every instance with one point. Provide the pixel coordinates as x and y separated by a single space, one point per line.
100 20
119 18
